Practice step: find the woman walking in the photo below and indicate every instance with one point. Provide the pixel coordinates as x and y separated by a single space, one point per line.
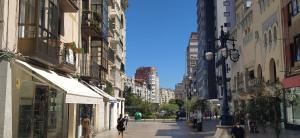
121 125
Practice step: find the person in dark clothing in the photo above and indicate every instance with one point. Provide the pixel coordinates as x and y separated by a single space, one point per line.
121 125
237 131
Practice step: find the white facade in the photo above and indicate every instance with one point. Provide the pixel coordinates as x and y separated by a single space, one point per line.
166 95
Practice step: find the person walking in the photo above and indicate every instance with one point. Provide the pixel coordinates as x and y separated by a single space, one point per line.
86 130
237 131
199 121
126 119
121 125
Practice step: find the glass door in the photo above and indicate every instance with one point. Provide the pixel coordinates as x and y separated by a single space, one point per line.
40 112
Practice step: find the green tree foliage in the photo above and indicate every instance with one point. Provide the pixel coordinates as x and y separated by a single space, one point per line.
177 101
134 103
171 109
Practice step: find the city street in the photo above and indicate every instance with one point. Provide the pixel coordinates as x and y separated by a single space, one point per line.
169 129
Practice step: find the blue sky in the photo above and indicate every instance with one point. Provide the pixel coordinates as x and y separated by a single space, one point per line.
157 35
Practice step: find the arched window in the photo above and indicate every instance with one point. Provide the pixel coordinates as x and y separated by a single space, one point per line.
275 34
270 38
259 72
266 40
272 70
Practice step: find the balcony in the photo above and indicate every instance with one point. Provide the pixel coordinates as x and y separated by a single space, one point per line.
92 24
49 52
42 50
69 5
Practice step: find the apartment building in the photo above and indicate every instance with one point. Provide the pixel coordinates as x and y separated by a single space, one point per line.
139 88
150 77
180 93
59 70
166 95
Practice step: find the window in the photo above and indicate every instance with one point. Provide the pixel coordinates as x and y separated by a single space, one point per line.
298 3
292 54
270 38
226 3
251 74
27 18
226 14
297 47
293 105
265 38
294 7
290 13
275 34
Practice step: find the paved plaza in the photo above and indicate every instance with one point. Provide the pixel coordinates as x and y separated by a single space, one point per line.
164 129
180 129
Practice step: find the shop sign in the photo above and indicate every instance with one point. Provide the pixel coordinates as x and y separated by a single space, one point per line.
18 83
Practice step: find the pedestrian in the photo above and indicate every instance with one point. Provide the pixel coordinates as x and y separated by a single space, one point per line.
216 114
194 117
86 130
199 121
210 114
121 125
126 119
237 131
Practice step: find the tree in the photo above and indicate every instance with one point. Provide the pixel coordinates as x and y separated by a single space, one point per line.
171 109
177 101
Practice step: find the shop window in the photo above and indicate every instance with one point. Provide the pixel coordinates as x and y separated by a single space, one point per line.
293 105
298 5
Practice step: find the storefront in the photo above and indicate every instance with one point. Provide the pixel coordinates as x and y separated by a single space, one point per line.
45 102
292 102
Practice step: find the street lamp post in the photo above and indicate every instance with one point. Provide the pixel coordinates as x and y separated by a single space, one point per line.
226 118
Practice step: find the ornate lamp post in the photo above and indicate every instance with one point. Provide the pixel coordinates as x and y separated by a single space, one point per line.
226 118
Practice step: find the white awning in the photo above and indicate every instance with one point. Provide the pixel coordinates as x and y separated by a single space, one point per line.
75 91
104 94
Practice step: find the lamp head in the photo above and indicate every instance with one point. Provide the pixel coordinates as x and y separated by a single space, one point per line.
209 55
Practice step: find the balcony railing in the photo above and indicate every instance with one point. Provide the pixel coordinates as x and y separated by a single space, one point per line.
255 82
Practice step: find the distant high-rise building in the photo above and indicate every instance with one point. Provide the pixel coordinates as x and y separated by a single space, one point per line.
206 71
192 53
150 77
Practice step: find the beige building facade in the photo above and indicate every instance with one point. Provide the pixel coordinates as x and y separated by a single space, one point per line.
259 36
